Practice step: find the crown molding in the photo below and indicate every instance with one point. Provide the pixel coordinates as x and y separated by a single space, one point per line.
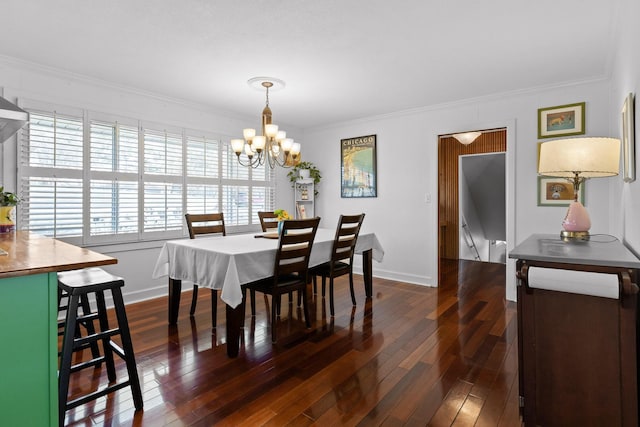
460 103
106 84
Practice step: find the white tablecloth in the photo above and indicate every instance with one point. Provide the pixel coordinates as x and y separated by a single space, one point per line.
227 262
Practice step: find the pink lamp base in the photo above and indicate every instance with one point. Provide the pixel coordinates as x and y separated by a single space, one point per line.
576 223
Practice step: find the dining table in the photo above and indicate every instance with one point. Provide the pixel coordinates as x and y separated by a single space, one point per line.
228 262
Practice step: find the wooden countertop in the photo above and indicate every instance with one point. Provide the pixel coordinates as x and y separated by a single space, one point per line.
30 253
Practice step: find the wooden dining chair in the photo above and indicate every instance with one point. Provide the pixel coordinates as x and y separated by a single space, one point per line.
268 220
341 262
205 224
291 269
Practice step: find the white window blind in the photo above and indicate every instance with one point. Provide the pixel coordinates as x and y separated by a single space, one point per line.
203 155
262 199
113 191
203 198
203 175
114 207
162 153
95 179
51 187
114 147
235 204
163 183
162 207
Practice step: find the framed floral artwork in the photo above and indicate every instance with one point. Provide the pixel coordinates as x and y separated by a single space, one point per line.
563 120
557 191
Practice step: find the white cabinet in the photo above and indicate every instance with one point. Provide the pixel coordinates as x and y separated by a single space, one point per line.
304 198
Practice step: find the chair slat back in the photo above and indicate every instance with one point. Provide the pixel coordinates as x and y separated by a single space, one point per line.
344 243
211 223
268 220
294 247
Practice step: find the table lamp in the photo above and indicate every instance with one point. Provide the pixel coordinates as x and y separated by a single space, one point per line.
577 159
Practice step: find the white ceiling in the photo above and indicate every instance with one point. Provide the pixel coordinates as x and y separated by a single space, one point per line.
340 59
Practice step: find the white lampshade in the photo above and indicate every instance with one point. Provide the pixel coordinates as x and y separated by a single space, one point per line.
281 135
248 151
588 157
295 148
287 143
467 138
248 133
236 145
271 130
259 142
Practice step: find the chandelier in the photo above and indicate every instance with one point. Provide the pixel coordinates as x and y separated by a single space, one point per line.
273 146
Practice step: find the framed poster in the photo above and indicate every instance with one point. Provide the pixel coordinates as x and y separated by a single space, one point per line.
562 120
628 140
358 167
557 191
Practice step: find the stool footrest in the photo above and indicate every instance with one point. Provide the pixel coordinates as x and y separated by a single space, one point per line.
78 348
78 342
89 363
83 318
96 394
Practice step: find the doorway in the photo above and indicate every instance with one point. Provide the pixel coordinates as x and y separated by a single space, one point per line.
449 152
481 200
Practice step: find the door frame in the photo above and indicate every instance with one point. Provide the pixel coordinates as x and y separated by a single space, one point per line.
510 193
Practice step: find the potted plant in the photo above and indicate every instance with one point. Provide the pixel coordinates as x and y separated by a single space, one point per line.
8 202
305 170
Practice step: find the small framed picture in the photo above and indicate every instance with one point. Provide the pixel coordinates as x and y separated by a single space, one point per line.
562 120
628 139
557 191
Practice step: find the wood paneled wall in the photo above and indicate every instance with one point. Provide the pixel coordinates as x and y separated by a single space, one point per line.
448 151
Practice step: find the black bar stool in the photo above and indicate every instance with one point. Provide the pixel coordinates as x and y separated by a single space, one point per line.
78 285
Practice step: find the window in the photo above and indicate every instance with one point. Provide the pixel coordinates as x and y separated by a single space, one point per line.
113 187
52 184
98 179
162 176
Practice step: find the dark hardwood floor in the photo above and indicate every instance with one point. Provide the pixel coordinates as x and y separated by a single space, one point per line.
409 356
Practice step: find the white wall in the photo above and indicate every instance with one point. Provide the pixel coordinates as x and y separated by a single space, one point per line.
407 172
625 79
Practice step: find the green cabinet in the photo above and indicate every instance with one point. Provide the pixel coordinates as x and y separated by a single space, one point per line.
28 350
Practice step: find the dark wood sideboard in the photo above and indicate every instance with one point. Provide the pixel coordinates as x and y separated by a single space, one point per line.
577 352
